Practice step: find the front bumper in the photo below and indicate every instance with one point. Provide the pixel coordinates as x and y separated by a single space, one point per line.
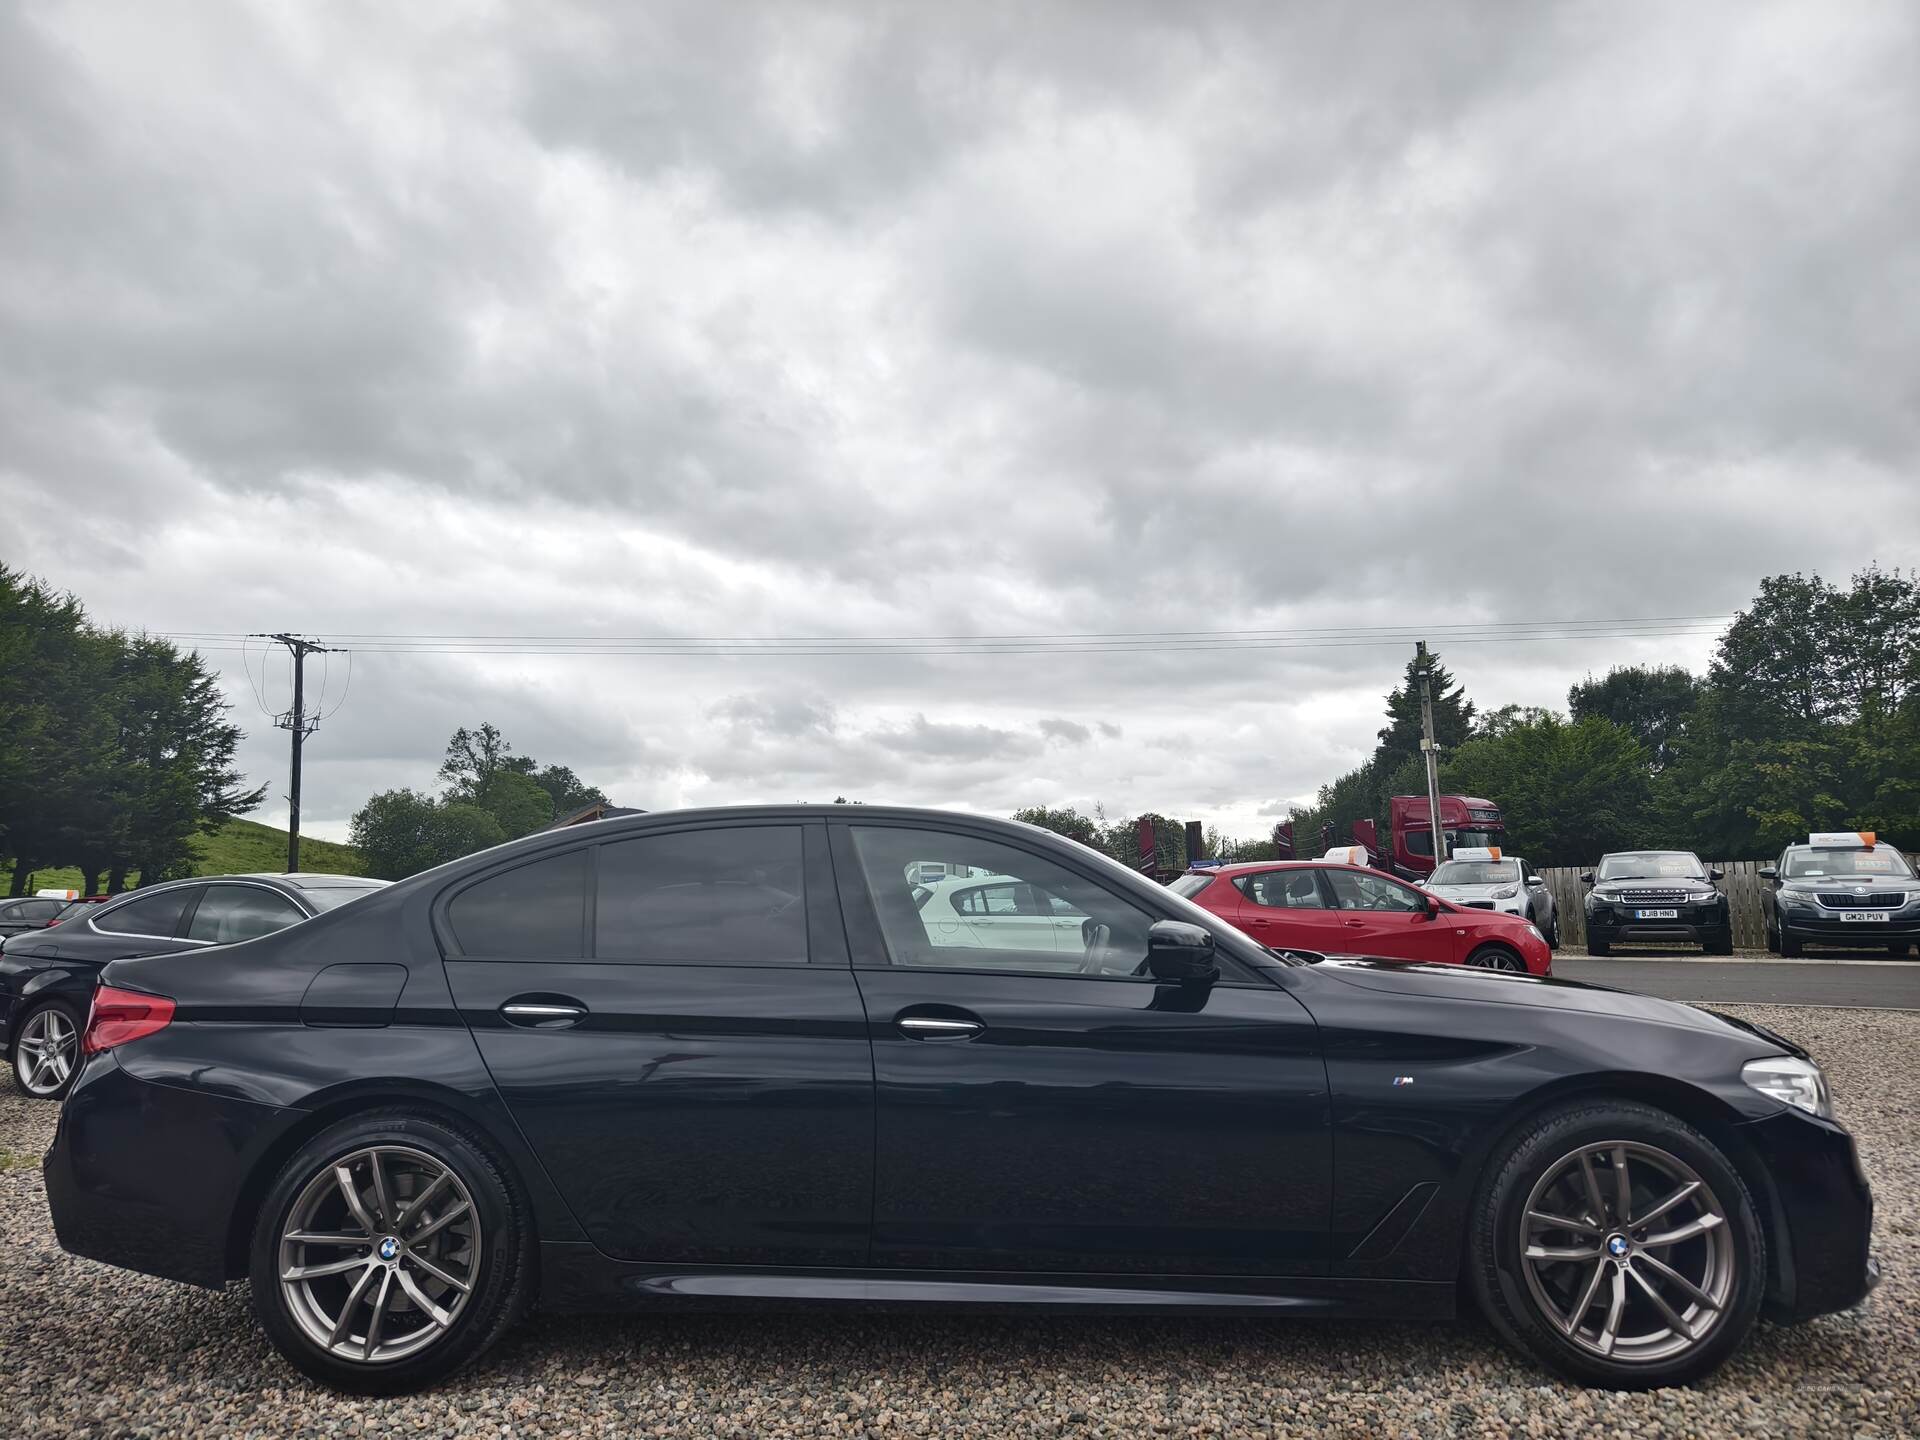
1698 923
146 1176
1826 927
1823 1215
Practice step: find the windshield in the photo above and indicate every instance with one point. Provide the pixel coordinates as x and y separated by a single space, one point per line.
1187 886
1652 865
1808 863
330 897
1472 839
1477 872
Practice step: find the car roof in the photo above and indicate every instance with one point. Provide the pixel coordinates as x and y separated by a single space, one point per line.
307 879
1255 867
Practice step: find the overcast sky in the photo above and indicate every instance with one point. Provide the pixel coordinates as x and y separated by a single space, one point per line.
875 320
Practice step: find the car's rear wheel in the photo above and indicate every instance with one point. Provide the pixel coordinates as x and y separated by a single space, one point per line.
1617 1246
390 1251
46 1050
1496 957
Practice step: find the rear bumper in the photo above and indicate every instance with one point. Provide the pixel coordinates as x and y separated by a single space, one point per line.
146 1176
1823 1215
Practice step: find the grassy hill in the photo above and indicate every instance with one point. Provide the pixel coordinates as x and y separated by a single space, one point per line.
238 847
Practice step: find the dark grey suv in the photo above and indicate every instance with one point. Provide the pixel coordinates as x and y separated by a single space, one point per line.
1656 895
1860 896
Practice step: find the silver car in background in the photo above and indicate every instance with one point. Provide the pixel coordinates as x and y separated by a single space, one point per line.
1494 880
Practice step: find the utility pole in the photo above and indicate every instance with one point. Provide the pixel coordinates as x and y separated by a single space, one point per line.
1431 750
301 724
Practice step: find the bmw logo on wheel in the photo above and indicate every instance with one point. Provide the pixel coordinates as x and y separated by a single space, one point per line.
1617 1246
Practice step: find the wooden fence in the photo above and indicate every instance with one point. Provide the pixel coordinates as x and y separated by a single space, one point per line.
1743 886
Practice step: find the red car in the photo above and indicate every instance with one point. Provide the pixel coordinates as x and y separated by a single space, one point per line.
1348 910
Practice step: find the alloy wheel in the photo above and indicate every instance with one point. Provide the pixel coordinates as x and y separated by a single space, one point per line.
1627 1252
1498 960
379 1254
46 1052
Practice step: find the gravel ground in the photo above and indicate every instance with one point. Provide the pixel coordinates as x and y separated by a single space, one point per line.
92 1351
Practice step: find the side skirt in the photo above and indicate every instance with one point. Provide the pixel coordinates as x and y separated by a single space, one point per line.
579 1279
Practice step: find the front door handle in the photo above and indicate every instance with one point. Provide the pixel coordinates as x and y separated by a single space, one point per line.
1354 924
553 1014
927 1027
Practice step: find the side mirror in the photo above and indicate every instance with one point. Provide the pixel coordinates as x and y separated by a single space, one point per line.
1716 873
1586 877
1534 882
1767 872
1429 907
1181 953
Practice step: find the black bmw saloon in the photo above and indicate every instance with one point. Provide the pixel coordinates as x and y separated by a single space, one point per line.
723 1057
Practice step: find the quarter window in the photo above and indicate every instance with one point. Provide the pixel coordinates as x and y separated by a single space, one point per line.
532 912
228 914
157 915
1065 924
733 896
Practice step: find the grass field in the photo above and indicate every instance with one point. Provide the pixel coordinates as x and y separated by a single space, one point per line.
239 847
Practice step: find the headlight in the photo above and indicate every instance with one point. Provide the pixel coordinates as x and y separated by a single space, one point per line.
1534 931
1506 892
1792 1082
1796 899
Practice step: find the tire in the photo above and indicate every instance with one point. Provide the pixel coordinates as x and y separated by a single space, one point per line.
1597 947
1553 932
1527 1301
1789 943
1721 944
488 1246
1497 957
1773 937
1899 948
45 1054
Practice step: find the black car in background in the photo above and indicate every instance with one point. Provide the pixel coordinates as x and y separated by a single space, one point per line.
47 976
1863 895
35 912
1660 896
722 1057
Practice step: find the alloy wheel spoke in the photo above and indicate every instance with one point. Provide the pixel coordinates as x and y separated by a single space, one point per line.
1610 1332
439 1222
1572 1322
343 1177
419 1202
441 1317
344 1324
1562 1252
1563 1222
1692 1230
382 1207
1678 1197
1622 1186
436 1272
379 1314
1592 1183
328 1237
331 1267
1673 1277
1667 1312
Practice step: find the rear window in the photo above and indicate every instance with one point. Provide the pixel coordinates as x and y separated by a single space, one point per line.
332 897
1188 886
732 896
157 915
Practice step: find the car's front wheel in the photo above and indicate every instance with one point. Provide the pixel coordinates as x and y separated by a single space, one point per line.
46 1050
1496 957
1617 1246
390 1251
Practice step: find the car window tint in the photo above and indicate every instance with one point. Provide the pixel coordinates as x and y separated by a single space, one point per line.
44 909
157 914
232 913
1057 922
535 911
731 896
1357 890
1284 890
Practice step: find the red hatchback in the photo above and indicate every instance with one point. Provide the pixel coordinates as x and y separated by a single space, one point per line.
1347 910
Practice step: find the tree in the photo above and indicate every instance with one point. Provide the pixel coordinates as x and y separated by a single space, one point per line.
1492 724
1063 821
474 759
518 803
569 793
1452 716
1569 790
1655 702
402 832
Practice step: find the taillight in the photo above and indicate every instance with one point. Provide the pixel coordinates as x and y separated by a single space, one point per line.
122 1015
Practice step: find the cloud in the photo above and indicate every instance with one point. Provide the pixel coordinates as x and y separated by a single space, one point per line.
849 321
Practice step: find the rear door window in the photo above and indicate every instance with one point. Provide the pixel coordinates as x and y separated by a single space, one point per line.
1284 890
531 912
228 914
729 896
157 915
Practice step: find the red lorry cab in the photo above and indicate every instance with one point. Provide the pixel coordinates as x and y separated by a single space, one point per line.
1465 820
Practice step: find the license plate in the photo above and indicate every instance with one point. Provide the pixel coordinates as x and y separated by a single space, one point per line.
1656 914
1858 915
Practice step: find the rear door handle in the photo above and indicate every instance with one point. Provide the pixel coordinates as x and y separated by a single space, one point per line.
927 1027
543 1014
